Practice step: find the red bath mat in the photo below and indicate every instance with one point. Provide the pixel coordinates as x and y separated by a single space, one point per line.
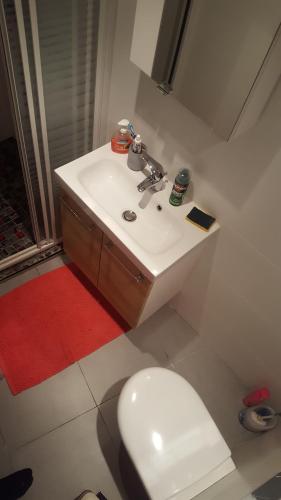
51 322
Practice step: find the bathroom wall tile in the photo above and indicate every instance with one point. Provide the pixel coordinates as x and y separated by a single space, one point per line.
219 388
121 103
161 126
232 299
107 369
40 409
19 279
77 456
239 182
244 271
249 344
190 302
259 217
52 264
255 158
249 274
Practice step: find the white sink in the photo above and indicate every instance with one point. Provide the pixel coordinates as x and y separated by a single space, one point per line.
115 191
106 187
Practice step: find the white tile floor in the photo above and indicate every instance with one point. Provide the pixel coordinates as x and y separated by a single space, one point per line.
66 429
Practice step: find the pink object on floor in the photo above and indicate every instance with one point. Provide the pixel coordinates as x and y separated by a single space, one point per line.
257 397
51 322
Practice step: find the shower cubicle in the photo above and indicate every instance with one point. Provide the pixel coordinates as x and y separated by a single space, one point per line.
56 56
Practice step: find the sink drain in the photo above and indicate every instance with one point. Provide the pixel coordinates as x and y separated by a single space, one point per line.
129 215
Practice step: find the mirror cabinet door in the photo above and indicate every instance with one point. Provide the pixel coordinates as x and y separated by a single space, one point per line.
158 32
210 52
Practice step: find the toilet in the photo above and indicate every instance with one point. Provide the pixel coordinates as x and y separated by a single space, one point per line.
170 436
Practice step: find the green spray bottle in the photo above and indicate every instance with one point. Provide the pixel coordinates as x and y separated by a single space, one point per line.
180 186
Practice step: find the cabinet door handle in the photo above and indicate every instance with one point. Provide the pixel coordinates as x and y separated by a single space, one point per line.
75 214
139 278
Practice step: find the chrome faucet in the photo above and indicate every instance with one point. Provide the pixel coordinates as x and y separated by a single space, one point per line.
155 180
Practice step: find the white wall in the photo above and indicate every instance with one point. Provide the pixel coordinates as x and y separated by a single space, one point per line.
233 297
124 75
6 122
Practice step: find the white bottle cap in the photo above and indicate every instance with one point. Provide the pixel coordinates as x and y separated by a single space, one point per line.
137 139
124 125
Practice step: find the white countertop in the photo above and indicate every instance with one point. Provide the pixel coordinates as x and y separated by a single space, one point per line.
155 261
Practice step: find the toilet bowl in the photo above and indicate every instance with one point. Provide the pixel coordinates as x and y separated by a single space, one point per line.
170 436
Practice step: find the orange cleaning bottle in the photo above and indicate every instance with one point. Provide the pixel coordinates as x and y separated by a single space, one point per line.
121 139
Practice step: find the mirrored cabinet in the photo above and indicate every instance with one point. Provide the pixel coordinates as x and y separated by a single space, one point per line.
208 53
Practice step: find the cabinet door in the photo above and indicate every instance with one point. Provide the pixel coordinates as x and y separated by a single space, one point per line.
82 239
122 283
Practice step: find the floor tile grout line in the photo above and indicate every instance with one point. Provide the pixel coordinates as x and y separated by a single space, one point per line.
86 381
96 403
109 399
54 429
107 428
104 421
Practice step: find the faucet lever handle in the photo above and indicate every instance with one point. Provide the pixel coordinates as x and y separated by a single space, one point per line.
156 171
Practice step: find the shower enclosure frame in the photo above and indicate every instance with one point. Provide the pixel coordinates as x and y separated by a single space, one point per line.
106 34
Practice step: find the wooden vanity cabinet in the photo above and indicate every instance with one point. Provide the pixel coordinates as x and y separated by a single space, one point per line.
82 239
121 282
107 267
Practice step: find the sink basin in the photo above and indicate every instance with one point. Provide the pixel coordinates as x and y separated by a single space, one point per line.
105 187
116 191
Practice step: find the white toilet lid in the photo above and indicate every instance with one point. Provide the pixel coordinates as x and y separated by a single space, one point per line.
168 432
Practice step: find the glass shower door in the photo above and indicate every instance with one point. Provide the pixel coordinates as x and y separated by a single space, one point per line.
66 36
52 50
